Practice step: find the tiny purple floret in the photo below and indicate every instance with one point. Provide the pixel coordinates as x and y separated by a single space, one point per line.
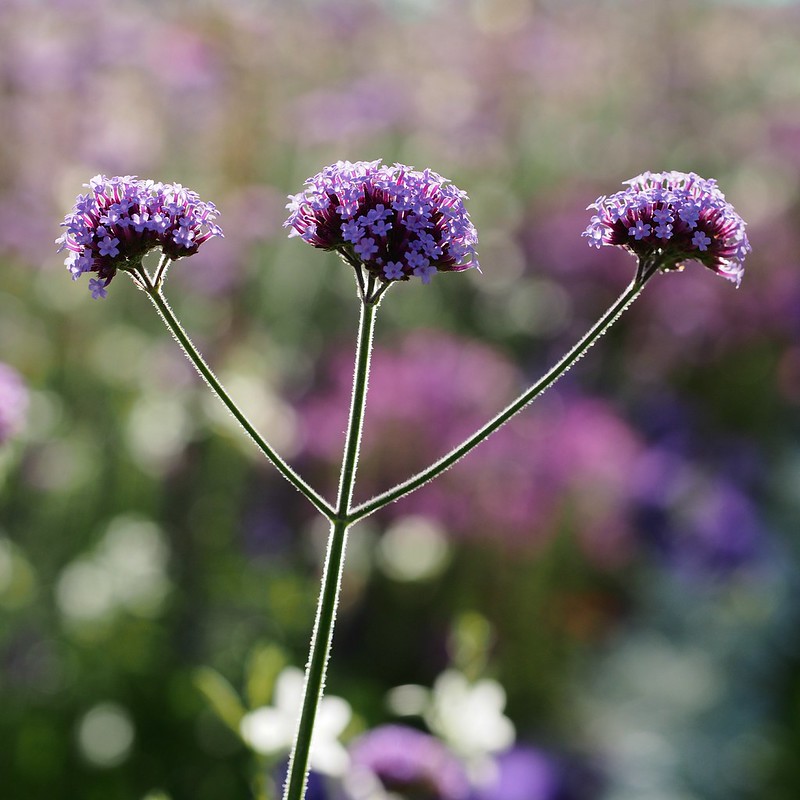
120 219
640 230
701 241
664 231
108 246
393 221
663 216
393 271
366 248
98 288
672 217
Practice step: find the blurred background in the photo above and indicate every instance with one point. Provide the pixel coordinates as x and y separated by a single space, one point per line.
615 574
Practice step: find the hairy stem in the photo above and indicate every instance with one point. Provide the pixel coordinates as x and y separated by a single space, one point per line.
646 271
171 321
322 635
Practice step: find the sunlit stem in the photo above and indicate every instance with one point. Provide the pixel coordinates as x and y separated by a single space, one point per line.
151 285
322 635
161 271
645 271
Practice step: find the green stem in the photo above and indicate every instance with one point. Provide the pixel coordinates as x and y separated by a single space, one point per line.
332 574
261 780
358 401
191 351
646 271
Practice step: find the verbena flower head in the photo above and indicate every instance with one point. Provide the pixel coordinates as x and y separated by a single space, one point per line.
671 217
121 219
394 221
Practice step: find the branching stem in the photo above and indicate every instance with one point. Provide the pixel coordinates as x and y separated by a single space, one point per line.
153 290
645 272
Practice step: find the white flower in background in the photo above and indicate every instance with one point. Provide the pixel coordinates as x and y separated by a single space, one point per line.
270 730
105 735
125 572
469 717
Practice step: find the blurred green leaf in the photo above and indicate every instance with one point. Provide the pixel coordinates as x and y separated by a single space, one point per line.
17 577
263 666
469 643
221 695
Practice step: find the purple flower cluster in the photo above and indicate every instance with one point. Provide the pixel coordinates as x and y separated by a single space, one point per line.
671 217
120 219
394 221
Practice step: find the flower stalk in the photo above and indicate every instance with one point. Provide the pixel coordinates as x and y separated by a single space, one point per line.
153 290
346 516
390 224
645 271
322 635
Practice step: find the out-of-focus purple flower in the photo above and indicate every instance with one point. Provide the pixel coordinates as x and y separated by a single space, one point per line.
521 773
393 221
363 109
431 392
13 402
318 786
409 763
121 219
697 522
671 217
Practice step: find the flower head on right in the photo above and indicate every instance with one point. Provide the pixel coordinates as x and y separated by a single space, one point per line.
666 218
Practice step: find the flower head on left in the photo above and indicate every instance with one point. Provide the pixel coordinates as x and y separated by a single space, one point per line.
120 219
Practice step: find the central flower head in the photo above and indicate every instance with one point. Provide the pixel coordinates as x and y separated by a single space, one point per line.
671 217
395 222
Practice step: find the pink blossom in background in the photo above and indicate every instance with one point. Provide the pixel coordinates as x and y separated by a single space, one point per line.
13 402
567 460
